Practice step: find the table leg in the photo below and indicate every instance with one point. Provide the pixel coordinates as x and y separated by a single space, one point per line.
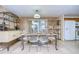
8 48
56 42
22 43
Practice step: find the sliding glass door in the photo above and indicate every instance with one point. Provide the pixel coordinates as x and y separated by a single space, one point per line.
38 26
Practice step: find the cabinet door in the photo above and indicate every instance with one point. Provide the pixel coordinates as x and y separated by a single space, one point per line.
1 21
69 30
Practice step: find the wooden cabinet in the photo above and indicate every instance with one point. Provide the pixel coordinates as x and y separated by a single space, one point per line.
8 21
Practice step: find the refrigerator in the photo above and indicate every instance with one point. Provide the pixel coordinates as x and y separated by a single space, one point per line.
69 30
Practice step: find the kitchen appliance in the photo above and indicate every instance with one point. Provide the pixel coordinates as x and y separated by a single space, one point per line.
77 31
69 30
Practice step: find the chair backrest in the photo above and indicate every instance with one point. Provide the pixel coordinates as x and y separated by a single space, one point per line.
32 38
43 38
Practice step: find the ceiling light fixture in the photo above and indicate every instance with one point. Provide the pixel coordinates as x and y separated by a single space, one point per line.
36 15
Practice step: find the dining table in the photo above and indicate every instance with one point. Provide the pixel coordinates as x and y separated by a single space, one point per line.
38 35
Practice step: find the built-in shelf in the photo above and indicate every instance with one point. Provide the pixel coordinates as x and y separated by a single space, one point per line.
8 21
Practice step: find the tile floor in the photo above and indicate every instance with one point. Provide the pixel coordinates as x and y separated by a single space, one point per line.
64 47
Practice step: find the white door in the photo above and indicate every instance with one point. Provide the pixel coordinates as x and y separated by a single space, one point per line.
69 30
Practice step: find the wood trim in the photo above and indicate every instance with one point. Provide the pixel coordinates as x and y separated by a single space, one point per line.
76 19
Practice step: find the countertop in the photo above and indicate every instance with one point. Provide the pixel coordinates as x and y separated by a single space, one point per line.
7 36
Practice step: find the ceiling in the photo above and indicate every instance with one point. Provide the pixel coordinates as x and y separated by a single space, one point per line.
44 10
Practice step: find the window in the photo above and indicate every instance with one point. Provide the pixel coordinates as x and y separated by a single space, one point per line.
38 25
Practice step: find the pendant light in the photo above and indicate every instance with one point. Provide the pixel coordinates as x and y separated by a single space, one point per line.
36 15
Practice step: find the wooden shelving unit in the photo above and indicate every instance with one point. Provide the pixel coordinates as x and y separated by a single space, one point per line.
8 21
54 26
